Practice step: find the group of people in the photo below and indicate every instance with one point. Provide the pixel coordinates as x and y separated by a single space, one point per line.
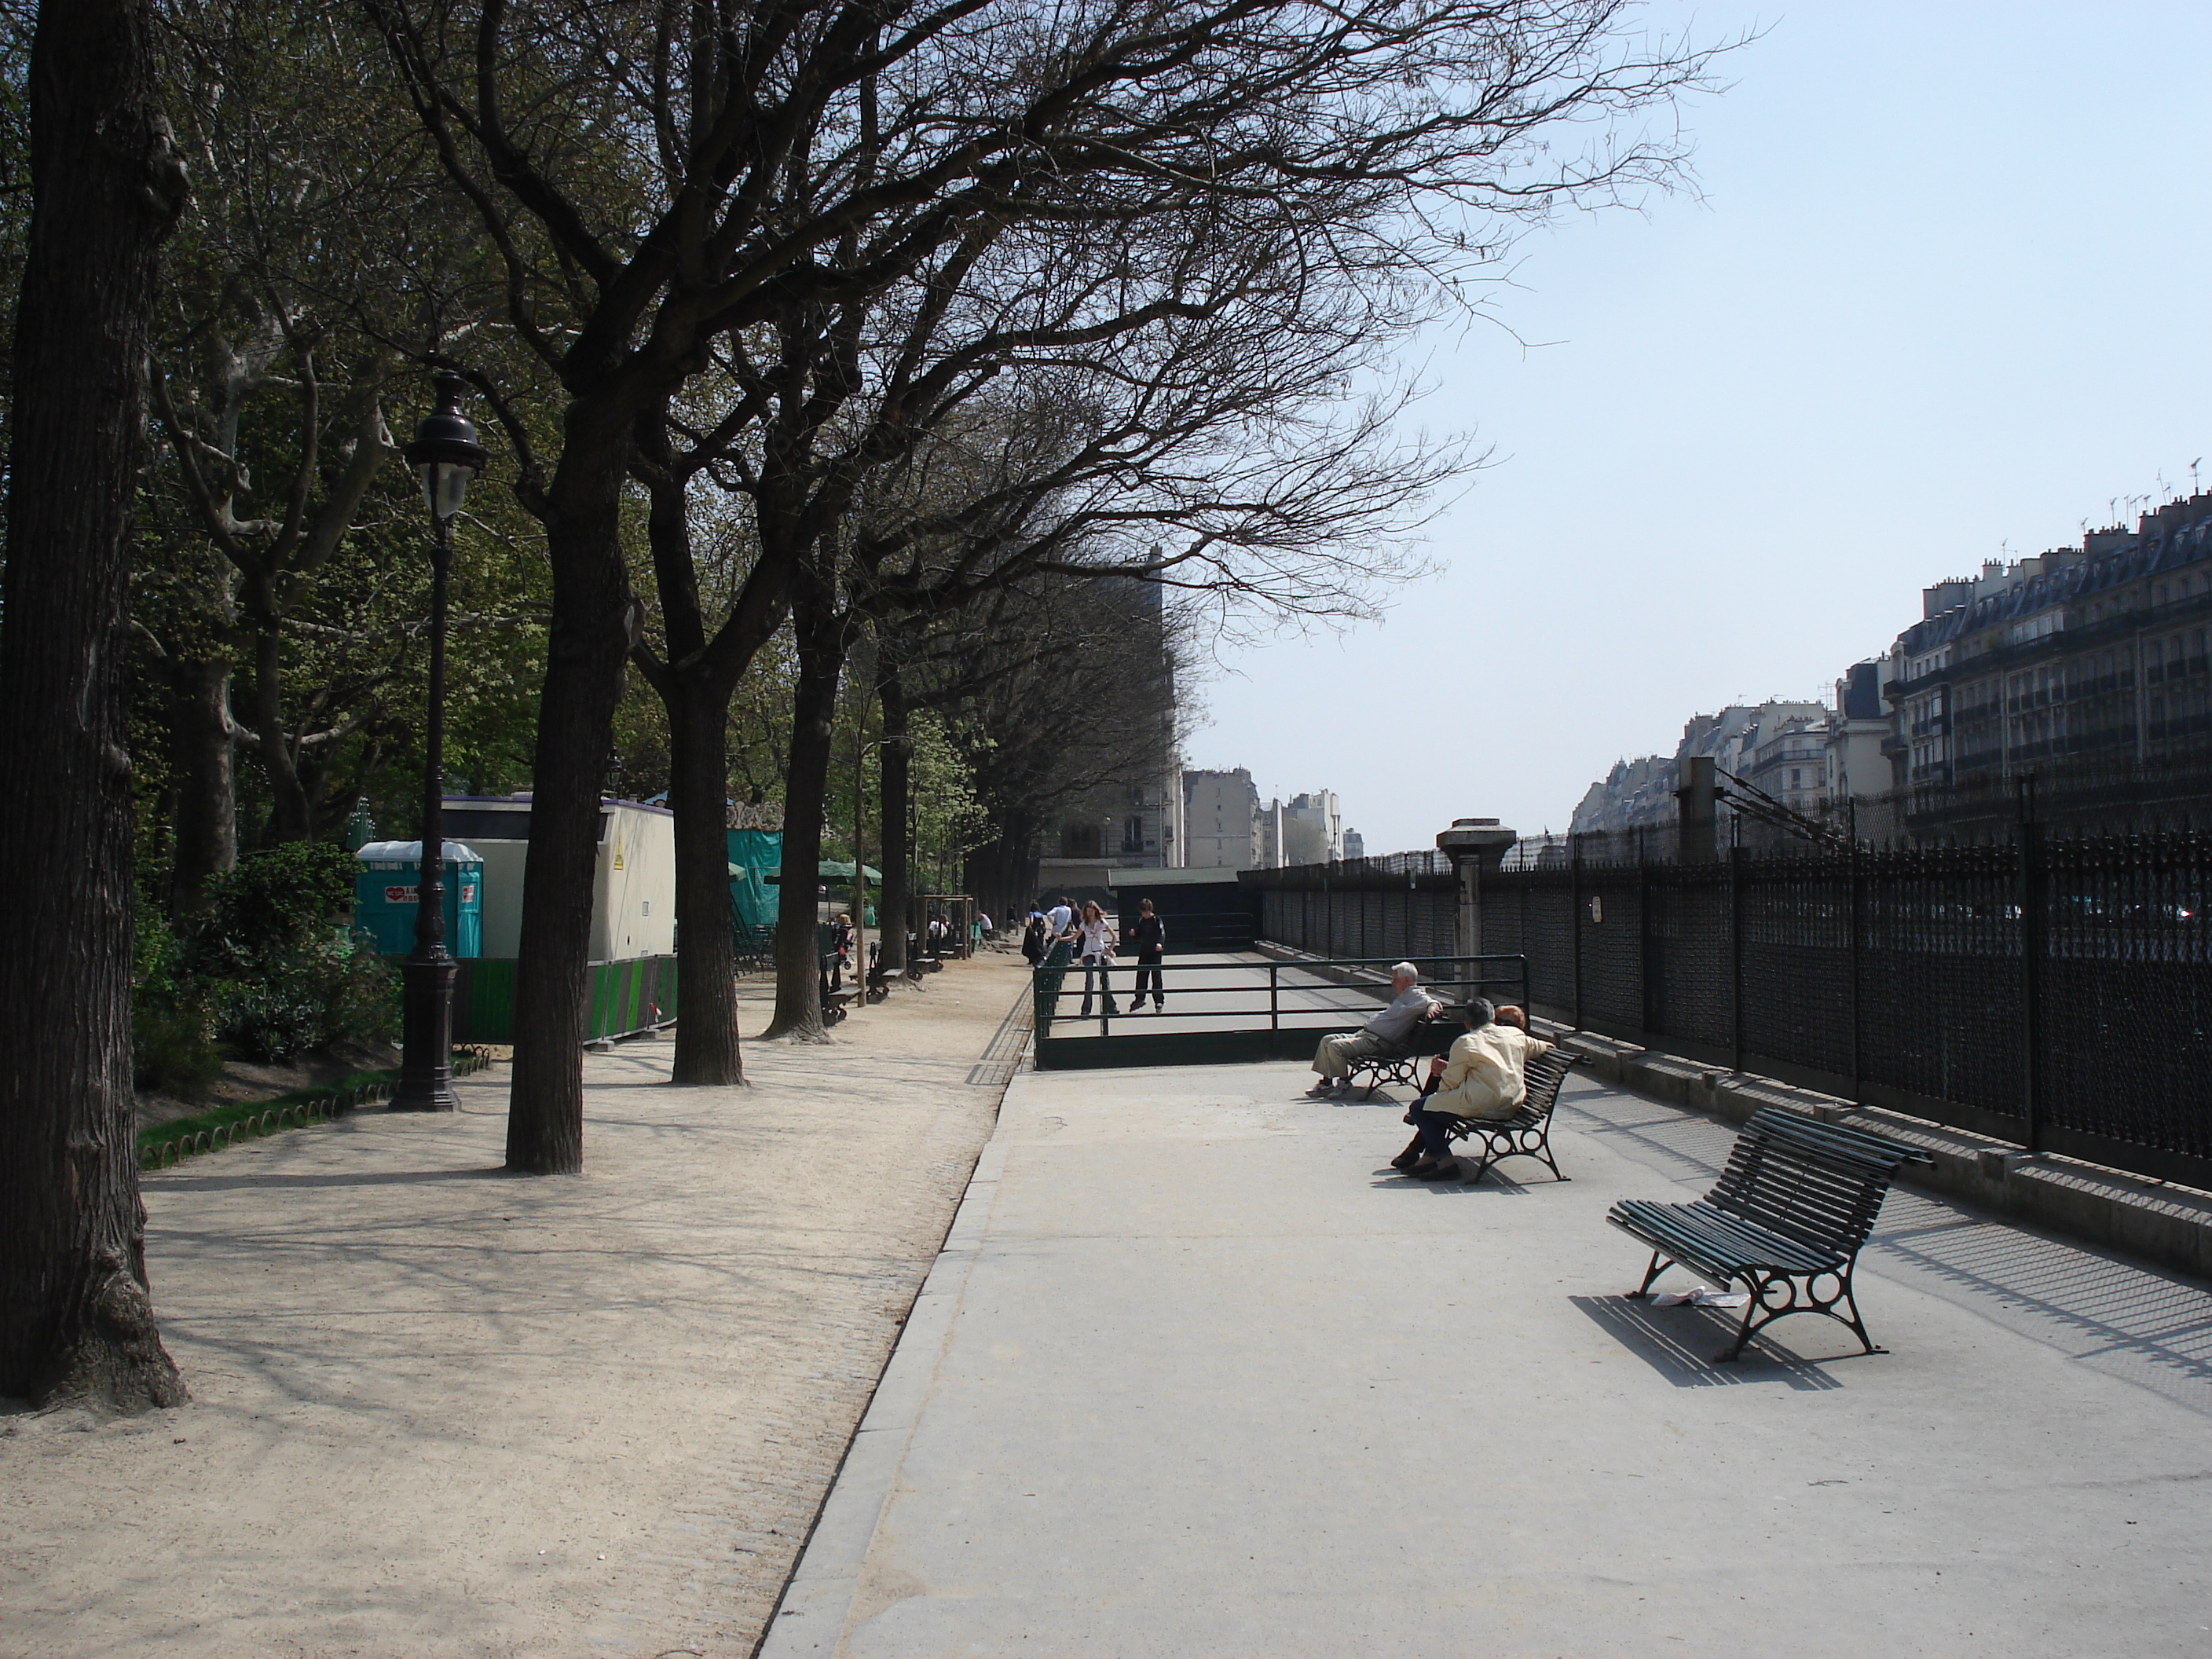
1481 1076
1095 942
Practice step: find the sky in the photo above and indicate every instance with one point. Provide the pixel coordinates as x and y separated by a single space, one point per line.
1939 296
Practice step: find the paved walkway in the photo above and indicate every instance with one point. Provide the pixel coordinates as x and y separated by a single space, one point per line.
1197 1374
441 1411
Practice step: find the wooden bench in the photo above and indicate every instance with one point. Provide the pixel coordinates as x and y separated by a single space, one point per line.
1785 1221
1527 1133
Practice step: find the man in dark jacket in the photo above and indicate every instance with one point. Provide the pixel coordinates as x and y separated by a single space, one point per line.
1147 936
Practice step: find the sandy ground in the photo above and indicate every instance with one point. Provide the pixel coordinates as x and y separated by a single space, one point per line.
439 1410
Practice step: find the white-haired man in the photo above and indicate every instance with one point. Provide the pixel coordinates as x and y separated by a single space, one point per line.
1388 1029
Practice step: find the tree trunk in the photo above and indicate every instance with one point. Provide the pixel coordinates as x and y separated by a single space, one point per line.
589 643
814 710
289 816
706 1042
76 1317
897 764
1003 871
204 753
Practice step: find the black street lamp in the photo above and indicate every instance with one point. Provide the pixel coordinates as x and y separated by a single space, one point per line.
447 455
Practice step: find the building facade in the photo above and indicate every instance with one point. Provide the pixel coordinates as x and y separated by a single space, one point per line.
1221 819
2082 655
1312 828
1132 816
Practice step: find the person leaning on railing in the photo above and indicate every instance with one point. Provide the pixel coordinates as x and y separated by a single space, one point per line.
1483 1077
1387 1030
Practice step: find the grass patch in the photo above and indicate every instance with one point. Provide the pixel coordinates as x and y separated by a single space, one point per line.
249 1119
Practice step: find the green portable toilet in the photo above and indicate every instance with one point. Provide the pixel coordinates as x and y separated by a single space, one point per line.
384 896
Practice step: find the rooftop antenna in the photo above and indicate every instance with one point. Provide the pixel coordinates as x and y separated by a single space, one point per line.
2192 476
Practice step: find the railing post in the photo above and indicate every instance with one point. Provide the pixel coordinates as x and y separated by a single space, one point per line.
1274 1002
1644 929
2031 967
1575 915
1856 901
1735 943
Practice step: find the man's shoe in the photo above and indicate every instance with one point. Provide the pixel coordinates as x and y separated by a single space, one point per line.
1323 1089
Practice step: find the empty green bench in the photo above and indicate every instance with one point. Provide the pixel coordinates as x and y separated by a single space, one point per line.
1785 1221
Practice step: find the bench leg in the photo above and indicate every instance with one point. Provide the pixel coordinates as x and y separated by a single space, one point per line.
1542 1149
1762 1311
1651 1272
1499 1144
1752 1310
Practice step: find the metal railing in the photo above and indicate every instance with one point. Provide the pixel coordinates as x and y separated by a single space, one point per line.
1315 994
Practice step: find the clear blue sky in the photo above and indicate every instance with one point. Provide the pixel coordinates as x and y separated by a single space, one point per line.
1945 293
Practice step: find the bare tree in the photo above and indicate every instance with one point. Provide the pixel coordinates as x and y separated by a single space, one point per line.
659 180
75 1315
1051 688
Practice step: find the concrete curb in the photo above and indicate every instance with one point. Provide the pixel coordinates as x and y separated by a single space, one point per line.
818 1602
2166 1225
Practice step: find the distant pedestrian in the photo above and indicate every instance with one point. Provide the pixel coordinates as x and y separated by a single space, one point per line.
1061 919
1147 936
842 935
1033 939
1095 945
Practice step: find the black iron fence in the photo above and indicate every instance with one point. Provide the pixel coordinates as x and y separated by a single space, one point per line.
2051 990
1402 906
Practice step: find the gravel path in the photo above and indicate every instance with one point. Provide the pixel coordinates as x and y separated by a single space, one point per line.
439 1410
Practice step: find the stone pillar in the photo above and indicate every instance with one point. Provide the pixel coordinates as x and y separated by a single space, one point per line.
1697 834
1473 845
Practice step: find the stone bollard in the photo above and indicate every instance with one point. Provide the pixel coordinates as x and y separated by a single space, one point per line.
1474 845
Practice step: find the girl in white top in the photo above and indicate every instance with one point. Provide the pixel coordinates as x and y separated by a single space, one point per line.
1094 943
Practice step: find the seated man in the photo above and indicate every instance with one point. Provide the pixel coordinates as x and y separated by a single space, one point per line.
1388 1029
1481 1077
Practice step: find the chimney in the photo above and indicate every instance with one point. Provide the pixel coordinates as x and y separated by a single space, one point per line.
1945 596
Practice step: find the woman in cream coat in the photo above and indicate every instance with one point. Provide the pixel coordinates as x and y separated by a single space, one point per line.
1481 1077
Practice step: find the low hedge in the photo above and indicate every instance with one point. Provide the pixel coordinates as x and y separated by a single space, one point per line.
219 1127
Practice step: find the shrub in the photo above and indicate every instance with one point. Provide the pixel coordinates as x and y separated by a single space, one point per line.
171 1036
263 971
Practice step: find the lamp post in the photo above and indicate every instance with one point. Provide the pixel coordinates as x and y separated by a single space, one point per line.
446 455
